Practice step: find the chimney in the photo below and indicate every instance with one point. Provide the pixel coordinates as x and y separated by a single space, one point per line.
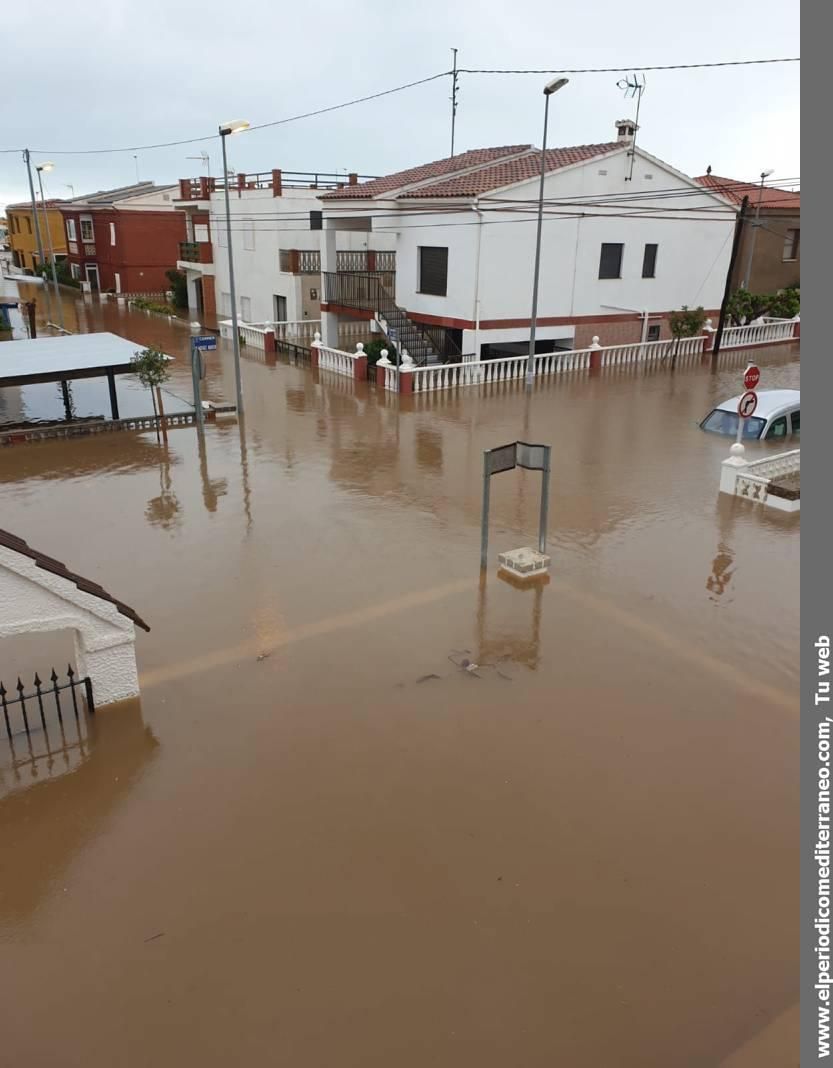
625 130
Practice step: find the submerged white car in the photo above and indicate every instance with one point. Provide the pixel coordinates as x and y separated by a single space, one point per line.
777 416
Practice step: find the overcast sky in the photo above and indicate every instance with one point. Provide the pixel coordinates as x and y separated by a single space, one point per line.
99 75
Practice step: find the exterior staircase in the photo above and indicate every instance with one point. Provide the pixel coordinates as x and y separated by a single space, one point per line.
369 291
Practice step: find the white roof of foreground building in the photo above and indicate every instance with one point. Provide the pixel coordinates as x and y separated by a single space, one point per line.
50 359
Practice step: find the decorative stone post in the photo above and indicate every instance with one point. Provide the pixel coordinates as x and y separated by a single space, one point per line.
313 351
709 330
731 468
360 364
269 341
595 353
796 326
381 369
406 368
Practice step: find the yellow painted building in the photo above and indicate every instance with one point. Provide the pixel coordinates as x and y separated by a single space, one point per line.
22 239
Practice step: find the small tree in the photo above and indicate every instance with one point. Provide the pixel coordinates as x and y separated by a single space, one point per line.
179 288
151 368
744 306
686 322
787 304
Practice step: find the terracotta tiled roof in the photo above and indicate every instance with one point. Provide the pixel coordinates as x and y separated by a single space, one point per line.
508 172
18 545
736 191
438 169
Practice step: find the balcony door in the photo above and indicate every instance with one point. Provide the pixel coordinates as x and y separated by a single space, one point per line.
280 309
92 275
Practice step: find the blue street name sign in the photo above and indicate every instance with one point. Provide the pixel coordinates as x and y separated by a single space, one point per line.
205 342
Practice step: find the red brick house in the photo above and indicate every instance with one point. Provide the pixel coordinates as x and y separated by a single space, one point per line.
124 240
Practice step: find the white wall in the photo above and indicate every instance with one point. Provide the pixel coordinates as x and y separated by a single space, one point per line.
691 267
274 223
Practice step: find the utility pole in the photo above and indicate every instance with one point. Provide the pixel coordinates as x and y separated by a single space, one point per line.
41 257
727 291
453 99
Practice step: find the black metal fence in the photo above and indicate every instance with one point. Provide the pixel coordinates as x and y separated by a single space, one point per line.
29 710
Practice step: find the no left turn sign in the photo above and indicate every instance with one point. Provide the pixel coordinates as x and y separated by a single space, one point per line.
747 404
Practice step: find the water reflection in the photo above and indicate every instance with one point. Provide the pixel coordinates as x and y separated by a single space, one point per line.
522 646
61 796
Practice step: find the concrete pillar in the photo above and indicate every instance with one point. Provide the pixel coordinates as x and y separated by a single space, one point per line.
313 351
360 364
797 326
406 378
269 341
329 320
111 668
731 468
595 354
709 331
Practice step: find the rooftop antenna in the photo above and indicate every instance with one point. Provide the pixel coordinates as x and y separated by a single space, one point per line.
206 161
454 85
633 86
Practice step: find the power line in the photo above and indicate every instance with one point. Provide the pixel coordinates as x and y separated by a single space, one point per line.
633 66
211 137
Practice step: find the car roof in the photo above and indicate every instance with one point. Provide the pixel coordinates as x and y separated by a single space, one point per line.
770 401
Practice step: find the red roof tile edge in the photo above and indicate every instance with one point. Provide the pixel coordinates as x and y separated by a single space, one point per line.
48 563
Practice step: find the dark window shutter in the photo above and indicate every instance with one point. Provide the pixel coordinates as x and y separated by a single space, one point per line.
316 220
649 261
610 261
433 270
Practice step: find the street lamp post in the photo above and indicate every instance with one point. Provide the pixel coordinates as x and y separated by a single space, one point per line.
41 169
551 87
232 128
27 161
747 276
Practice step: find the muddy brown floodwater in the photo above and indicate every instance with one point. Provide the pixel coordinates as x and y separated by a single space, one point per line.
319 840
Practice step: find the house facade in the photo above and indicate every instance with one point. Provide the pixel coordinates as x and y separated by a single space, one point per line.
769 253
277 265
124 240
626 240
22 238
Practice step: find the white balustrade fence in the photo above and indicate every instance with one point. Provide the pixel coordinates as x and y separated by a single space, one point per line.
339 361
735 337
752 479
784 463
291 328
253 334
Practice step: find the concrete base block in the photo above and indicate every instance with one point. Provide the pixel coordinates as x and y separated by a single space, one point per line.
524 563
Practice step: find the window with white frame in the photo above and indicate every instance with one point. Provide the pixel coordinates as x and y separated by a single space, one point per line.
87 233
792 241
249 235
246 309
225 303
112 233
201 232
75 271
71 236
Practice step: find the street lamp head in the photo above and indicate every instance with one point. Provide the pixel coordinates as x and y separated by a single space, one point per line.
557 83
44 167
766 174
236 126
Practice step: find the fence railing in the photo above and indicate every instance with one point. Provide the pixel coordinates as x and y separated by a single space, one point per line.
772 467
32 706
189 251
338 361
308 261
735 337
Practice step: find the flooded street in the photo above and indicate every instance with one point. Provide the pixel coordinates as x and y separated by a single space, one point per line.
319 840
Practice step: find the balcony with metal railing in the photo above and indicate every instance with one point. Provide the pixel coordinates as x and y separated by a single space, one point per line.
196 252
275 180
308 261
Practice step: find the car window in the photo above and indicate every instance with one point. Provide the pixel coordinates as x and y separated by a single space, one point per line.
723 422
796 419
778 428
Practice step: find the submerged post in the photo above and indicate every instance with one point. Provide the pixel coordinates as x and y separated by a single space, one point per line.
545 501
484 513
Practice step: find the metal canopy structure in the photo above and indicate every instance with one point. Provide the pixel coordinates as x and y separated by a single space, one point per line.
507 458
67 358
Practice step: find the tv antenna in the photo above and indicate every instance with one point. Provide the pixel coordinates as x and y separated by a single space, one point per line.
633 86
454 90
206 161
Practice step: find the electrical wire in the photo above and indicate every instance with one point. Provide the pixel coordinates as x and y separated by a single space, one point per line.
211 137
633 67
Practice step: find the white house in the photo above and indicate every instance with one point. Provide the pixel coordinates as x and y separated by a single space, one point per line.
627 239
276 255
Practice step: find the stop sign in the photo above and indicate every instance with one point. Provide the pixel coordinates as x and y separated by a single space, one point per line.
751 376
